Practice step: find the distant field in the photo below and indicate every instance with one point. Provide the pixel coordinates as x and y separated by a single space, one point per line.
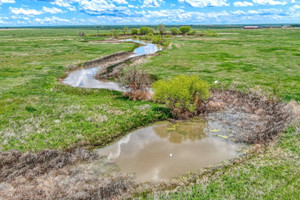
268 59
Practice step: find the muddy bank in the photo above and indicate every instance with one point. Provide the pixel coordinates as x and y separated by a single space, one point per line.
252 118
113 71
54 174
97 73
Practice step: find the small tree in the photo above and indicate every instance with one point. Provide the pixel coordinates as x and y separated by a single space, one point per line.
161 28
144 30
185 29
125 30
184 95
134 31
115 33
174 31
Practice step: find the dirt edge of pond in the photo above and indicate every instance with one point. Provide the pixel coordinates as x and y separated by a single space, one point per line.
55 174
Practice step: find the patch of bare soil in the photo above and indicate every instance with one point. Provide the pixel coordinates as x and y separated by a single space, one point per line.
52 174
113 71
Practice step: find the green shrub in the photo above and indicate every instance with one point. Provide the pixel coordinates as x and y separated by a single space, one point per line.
145 30
149 36
134 31
174 31
184 95
185 29
209 33
156 39
192 33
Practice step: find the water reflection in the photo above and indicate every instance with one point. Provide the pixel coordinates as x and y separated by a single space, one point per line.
85 78
146 49
163 151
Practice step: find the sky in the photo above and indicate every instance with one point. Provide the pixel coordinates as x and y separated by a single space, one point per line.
139 12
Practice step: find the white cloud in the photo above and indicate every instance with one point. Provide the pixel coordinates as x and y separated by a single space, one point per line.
7 1
270 2
132 6
102 7
242 4
120 1
205 3
22 11
64 4
295 7
152 3
52 10
51 20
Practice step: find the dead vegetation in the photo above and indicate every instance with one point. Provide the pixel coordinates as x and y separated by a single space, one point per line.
51 174
14 164
138 82
253 118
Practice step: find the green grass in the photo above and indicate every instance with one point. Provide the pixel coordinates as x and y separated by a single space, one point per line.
37 112
265 59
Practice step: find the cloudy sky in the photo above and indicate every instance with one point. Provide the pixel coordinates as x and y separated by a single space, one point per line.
89 12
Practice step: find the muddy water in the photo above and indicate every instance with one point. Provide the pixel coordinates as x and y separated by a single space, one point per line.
85 78
165 150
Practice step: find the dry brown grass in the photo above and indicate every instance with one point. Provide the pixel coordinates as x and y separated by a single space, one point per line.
51 174
256 118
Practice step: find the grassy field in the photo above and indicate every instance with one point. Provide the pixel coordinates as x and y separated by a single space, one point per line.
37 112
265 59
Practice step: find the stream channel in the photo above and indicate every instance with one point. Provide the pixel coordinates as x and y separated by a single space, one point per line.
163 150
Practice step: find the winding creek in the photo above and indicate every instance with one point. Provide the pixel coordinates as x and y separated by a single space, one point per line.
163 150
85 78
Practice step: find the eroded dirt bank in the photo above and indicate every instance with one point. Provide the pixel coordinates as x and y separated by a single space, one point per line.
54 174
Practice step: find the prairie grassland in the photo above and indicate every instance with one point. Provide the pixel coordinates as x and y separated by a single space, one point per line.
37 112
266 59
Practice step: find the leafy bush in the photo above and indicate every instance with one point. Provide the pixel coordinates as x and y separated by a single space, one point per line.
156 39
185 29
184 95
209 33
192 33
174 31
149 36
159 40
134 31
115 33
145 30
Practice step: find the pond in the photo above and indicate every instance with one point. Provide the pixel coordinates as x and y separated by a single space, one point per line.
166 150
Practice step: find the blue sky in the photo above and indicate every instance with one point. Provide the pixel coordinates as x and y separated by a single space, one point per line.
129 12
